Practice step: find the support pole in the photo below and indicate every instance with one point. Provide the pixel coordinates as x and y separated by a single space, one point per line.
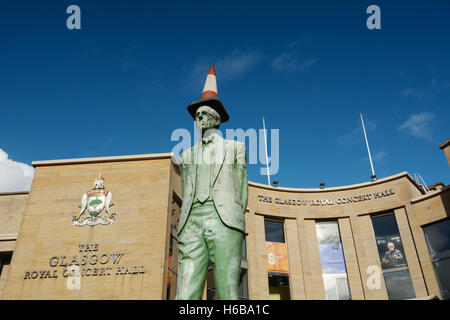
267 158
368 149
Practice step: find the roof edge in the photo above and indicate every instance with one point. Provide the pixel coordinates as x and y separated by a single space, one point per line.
341 188
138 157
444 144
430 195
11 193
253 184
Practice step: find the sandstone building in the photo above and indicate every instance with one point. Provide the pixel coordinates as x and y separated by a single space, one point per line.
385 239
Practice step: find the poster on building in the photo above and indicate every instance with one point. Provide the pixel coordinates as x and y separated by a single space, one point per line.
391 252
277 260
332 258
330 248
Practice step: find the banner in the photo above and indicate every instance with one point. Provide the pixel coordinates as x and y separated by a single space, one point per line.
330 248
332 258
391 252
277 259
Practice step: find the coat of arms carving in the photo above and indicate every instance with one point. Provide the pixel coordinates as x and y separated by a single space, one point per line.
95 201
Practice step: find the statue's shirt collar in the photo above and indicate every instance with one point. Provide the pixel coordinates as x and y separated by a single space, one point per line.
211 138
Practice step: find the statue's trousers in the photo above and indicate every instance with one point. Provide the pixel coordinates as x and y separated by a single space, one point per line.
204 238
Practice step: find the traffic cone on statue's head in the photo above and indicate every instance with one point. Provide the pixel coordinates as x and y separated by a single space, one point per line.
210 87
210 97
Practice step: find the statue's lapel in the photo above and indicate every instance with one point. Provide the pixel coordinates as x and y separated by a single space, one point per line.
195 158
218 154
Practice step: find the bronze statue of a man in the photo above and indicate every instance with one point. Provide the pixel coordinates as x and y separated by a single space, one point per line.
215 191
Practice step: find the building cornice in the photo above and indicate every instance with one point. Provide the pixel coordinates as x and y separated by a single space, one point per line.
138 157
430 194
445 144
8 236
400 175
13 193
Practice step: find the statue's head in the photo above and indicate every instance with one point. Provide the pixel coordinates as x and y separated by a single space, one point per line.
209 102
206 118
391 246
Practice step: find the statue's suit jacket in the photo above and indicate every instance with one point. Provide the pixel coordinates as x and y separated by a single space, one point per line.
229 182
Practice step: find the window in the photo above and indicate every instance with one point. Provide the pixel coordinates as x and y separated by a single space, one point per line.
279 287
243 278
5 261
172 274
243 284
277 260
332 261
438 240
210 284
392 258
274 230
171 285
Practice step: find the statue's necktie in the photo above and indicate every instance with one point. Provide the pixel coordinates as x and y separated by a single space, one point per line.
203 178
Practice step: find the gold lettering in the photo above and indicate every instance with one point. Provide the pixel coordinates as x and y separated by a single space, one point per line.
74 261
83 260
55 263
61 262
116 257
90 259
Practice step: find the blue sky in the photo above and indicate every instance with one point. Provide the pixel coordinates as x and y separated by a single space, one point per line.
121 84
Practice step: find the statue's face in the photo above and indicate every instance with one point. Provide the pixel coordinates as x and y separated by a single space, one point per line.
391 248
206 118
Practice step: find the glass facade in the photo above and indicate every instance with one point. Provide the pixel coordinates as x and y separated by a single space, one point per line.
332 261
172 267
438 240
5 260
243 284
277 260
171 272
274 230
243 278
279 287
392 258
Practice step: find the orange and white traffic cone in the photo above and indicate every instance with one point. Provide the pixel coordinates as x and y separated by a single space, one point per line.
210 97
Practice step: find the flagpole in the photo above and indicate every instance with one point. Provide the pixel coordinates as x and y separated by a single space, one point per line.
267 159
368 149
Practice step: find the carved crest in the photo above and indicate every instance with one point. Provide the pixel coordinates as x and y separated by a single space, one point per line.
95 201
